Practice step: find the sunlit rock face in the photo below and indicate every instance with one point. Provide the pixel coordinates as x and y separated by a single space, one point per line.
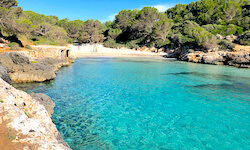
21 70
237 59
29 119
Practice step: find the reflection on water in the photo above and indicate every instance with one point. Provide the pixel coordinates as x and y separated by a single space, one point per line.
134 103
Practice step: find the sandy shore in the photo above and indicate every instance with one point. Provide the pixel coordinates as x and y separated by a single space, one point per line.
88 51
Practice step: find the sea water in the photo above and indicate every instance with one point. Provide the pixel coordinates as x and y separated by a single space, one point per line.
150 103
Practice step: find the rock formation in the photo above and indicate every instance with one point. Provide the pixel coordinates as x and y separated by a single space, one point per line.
45 101
4 74
237 59
28 121
21 70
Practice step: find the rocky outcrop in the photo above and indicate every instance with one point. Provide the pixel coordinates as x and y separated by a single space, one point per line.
45 101
231 38
219 37
54 62
237 59
213 58
28 121
21 70
4 74
243 39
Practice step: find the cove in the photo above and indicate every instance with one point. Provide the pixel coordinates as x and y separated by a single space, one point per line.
150 103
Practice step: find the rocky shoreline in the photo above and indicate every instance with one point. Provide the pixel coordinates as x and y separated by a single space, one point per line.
21 69
240 59
25 119
236 59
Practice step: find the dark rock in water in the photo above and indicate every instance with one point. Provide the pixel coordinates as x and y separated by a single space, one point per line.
45 101
4 74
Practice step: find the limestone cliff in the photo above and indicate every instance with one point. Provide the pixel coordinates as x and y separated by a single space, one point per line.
26 122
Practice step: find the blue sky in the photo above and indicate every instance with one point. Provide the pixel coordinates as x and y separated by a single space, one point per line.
102 10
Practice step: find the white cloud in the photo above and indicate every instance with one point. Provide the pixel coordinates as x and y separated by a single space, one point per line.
109 18
160 7
163 7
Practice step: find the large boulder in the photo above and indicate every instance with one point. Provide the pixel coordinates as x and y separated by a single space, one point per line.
195 57
213 58
21 70
45 101
32 75
4 74
231 38
239 59
18 58
219 37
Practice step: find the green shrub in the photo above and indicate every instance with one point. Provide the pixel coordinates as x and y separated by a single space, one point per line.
226 45
244 39
223 29
14 46
114 33
12 137
28 47
131 45
33 62
110 43
203 38
45 42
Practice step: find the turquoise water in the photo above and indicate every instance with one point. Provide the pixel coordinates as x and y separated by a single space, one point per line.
142 103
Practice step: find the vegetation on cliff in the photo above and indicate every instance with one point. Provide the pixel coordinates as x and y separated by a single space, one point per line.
192 25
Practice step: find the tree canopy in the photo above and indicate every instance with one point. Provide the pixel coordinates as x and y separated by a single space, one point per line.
194 24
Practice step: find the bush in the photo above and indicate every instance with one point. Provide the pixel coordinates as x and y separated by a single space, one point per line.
244 39
45 42
131 45
114 33
14 46
223 29
203 38
110 43
226 45
28 47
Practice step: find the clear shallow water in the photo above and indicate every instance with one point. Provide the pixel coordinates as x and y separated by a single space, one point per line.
140 103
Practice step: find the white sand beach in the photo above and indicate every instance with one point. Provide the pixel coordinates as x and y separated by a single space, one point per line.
99 50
